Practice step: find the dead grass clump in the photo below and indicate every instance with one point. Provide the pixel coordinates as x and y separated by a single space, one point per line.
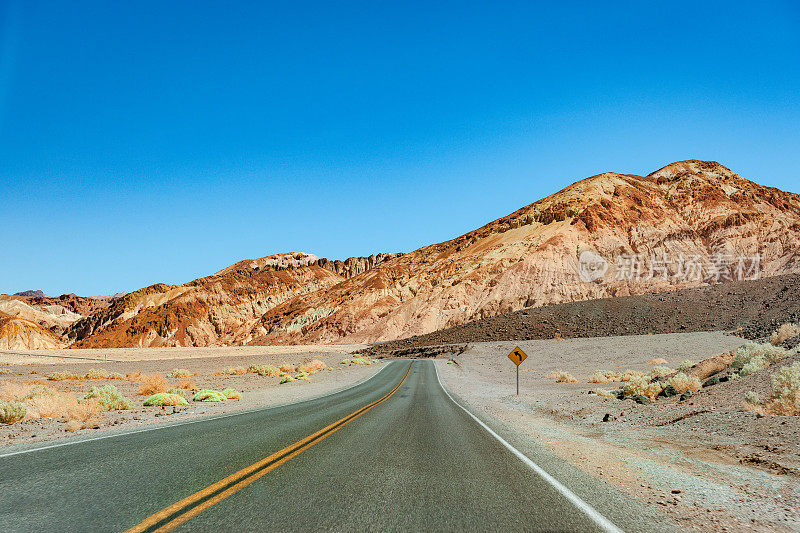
605 393
5 370
784 333
604 376
133 376
683 383
659 361
85 414
12 412
153 384
562 377
315 365
110 398
180 373
287 367
232 371
184 384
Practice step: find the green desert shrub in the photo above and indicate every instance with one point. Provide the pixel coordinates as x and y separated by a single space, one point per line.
232 394
753 357
63 375
302 375
207 395
752 398
179 392
11 412
345 362
109 397
165 398
686 365
286 379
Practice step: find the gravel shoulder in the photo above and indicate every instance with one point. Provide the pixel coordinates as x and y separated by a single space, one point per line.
704 461
205 363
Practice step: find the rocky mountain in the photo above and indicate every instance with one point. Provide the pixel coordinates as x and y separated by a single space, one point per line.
221 309
21 334
689 224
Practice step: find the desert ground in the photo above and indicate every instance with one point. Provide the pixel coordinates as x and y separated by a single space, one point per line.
704 460
138 370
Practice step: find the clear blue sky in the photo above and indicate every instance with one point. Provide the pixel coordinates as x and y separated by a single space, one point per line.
145 142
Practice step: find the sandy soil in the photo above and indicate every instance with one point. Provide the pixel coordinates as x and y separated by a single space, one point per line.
704 461
257 391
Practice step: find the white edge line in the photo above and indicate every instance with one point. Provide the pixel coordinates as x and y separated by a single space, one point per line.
604 523
198 420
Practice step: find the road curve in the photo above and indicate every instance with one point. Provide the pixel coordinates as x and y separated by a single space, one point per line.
393 453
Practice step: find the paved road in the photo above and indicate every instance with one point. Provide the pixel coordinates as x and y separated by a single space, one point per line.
394 453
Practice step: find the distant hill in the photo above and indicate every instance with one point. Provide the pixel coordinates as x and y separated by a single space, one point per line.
37 293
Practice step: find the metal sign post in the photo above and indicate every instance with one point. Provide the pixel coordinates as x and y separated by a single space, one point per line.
517 356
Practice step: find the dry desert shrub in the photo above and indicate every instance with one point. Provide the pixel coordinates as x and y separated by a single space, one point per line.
232 394
686 365
659 361
133 376
605 393
642 386
683 383
660 372
604 376
5 370
165 398
152 384
264 370
630 374
85 414
315 365
206 395
102 373
184 384
784 333
232 371
180 373
785 399
109 397
562 377
752 398
287 367
12 412
63 375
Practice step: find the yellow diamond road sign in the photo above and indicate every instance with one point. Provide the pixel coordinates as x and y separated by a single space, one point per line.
517 356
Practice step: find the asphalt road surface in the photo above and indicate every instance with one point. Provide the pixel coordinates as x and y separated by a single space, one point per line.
393 453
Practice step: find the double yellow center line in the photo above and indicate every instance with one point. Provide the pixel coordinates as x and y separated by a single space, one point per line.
176 514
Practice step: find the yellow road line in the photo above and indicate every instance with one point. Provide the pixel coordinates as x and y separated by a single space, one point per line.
247 475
